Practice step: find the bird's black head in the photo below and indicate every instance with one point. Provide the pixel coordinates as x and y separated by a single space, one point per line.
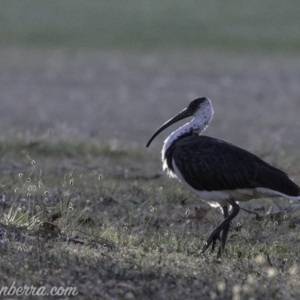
195 104
191 110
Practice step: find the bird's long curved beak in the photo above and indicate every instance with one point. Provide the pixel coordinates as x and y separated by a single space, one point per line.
182 115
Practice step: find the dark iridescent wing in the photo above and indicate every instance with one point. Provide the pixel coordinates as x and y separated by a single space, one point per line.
211 164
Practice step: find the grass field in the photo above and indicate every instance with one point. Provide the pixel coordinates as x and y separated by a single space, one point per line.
83 203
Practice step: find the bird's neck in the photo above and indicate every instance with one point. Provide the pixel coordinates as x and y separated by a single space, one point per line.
196 126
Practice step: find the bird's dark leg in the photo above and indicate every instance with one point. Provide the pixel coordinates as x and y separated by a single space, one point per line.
225 229
224 233
225 225
214 243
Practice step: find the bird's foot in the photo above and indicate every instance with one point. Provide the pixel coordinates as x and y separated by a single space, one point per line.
212 239
251 212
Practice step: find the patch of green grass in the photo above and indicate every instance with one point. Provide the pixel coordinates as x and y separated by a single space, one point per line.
251 26
68 148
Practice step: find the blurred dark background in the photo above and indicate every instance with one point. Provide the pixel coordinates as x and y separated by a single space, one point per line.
116 70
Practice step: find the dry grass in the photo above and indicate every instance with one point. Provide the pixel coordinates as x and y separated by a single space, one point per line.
128 234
